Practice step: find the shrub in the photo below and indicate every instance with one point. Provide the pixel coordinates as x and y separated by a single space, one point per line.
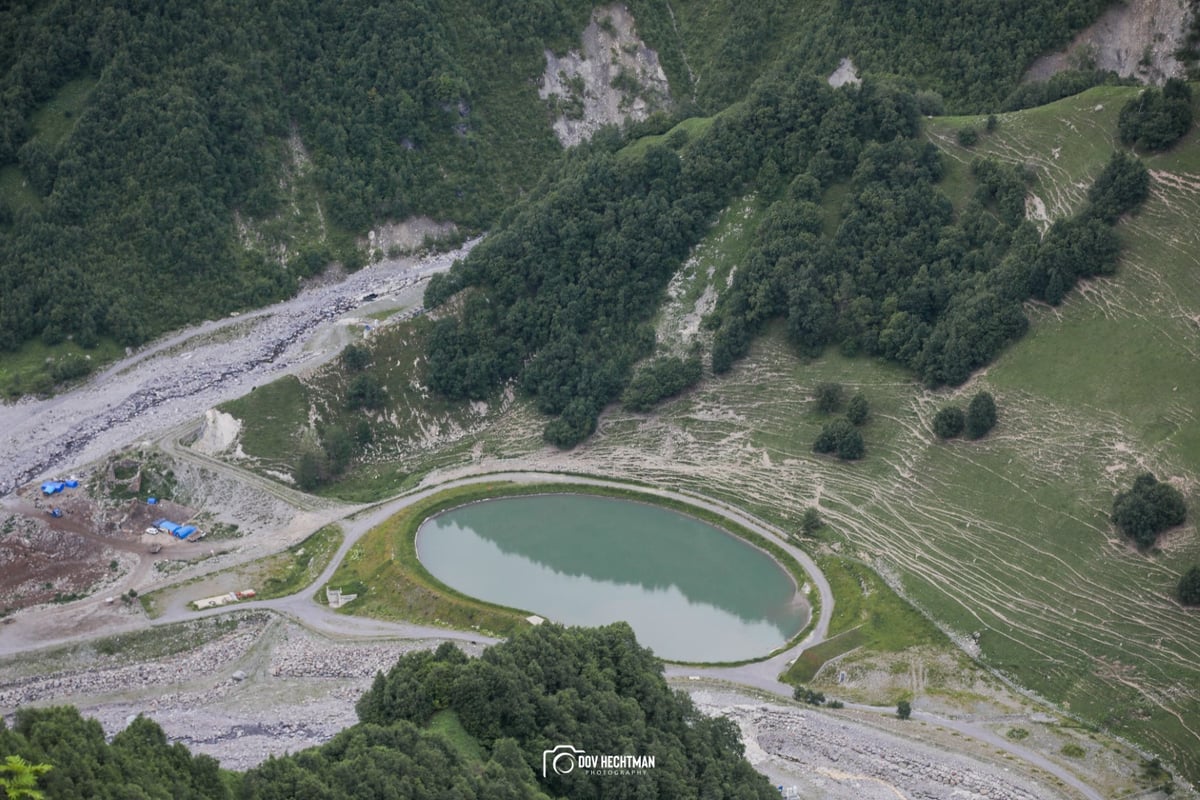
366 392
660 379
1156 119
1189 587
809 696
949 422
828 397
903 709
356 358
1148 509
981 415
858 409
841 438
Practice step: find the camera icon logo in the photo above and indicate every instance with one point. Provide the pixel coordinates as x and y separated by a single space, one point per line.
561 760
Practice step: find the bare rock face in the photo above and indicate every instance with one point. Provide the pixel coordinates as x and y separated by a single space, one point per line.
219 433
844 74
1135 39
613 79
407 236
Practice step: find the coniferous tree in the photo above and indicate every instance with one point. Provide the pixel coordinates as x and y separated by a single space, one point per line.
1189 587
949 422
1147 509
981 415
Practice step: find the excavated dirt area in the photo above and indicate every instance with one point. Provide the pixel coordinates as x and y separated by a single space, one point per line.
87 549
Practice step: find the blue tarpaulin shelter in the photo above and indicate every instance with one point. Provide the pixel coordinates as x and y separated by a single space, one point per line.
71 483
152 501
167 525
52 487
184 531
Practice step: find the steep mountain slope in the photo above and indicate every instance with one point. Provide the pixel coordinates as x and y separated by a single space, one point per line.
144 146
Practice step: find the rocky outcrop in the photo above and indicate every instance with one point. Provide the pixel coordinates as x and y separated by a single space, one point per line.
1135 39
613 79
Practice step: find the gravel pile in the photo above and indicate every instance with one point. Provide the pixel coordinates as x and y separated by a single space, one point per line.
307 658
804 741
242 723
205 660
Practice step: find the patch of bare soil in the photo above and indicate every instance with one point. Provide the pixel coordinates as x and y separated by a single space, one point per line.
1134 39
612 79
46 559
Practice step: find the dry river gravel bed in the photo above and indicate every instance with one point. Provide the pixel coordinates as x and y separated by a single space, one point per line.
177 378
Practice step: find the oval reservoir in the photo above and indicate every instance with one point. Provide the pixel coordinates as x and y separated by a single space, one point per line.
690 591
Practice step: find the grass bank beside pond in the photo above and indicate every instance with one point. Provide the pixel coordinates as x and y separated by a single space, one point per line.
391 583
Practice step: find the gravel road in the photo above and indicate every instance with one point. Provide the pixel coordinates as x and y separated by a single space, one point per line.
177 378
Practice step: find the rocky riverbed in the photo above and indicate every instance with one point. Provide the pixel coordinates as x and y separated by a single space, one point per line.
179 377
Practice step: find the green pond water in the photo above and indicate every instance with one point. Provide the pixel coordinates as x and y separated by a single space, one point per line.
691 592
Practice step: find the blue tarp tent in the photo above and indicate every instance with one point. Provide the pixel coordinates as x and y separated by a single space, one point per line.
166 525
185 531
71 483
152 501
52 487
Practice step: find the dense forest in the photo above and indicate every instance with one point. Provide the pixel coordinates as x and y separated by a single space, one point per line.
560 296
907 279
126 225
437 725
140 143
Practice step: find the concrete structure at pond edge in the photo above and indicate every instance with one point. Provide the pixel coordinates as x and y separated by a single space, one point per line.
337 599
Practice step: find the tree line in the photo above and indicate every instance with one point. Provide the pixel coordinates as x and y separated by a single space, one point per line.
904 277
595 689
560 296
